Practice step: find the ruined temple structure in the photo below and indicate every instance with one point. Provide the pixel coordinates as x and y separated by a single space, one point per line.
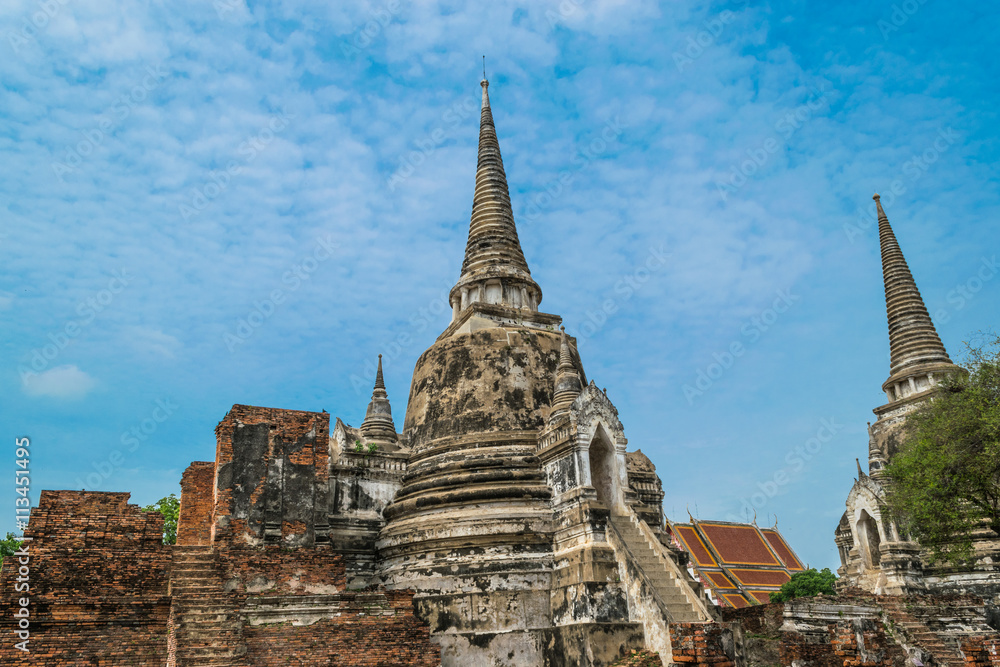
507 504
505 524
875 555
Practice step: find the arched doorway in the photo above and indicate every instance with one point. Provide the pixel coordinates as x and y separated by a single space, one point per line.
869 539
604 471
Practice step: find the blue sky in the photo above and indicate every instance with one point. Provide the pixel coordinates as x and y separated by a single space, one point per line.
204 204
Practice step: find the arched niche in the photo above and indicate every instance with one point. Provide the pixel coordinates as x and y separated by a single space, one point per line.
605 475
870 539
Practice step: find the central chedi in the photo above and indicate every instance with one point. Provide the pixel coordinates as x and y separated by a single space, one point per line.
516 521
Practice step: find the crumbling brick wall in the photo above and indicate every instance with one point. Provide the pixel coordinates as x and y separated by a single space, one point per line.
863 643
275 571
698 644
373 629
98 582
298 612
981 652
194 525
272 477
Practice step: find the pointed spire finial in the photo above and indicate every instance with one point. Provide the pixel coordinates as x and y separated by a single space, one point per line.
379 380
914 345
378 424
878 208
484 68
861 473
568 384
494 270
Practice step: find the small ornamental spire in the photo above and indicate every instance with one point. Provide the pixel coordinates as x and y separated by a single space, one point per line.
378 424
913 341
379 380
568 384
861 473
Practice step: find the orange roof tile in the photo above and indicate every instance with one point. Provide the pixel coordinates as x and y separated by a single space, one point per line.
738 544
719 579
781 547
735 600
749 577
695 546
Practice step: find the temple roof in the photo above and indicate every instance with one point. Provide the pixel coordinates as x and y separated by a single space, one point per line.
741 563
913 340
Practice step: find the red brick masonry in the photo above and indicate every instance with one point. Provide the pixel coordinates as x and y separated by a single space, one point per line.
194 526
98 584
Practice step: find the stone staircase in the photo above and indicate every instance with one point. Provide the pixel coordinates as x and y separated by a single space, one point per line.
659 575
208 631
921 636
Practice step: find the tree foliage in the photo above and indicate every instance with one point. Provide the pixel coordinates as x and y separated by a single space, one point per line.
8 546
806 584
945 479
170 508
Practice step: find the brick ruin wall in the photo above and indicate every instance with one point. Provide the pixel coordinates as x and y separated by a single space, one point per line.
370 629
852 630
194 525
272 472
982 652
702 644
98 584
351 628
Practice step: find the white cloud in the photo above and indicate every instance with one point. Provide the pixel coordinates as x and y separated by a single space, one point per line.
60 382
152 341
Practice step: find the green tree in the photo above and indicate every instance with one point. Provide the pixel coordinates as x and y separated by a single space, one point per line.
945 479
170 508
806 584
8 546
